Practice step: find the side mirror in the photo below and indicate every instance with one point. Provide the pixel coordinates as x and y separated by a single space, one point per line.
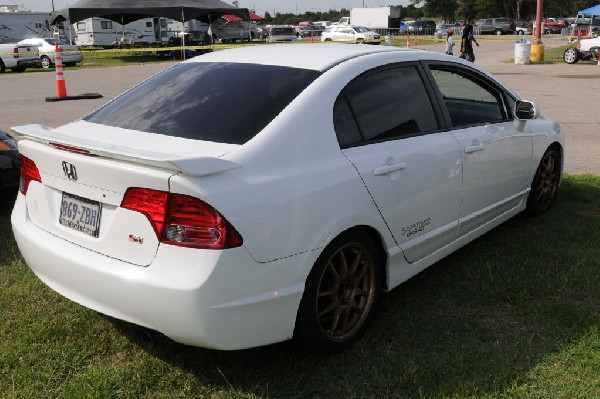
525 110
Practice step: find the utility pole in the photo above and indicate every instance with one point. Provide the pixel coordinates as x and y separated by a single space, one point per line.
537 49
52 5
537 39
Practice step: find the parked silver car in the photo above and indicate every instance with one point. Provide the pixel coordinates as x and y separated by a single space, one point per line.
71 54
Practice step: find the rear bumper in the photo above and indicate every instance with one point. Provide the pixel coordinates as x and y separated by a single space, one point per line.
214 299
74 57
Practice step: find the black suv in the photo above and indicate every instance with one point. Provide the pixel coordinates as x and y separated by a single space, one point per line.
421 27
498 26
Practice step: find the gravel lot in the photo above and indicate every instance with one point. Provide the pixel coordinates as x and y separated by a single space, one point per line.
565 93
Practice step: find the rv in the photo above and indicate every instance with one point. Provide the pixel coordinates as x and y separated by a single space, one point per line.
16 26
106 33
19 25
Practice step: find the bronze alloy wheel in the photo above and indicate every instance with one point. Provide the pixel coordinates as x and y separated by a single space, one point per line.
545 183
341 292
345 292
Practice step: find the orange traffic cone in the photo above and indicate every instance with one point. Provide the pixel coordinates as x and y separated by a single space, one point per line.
415 42
61 87
312 39
407 41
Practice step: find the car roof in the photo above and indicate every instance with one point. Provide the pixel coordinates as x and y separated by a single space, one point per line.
318 57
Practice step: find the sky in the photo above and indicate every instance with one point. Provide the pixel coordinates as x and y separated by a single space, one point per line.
259 6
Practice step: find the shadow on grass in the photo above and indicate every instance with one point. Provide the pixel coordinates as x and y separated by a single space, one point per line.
474 324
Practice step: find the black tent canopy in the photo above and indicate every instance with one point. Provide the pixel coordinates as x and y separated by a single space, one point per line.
126 11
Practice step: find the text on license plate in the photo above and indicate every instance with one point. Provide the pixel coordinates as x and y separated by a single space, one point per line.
80 214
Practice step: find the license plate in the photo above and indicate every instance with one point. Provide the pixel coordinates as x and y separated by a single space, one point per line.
80 214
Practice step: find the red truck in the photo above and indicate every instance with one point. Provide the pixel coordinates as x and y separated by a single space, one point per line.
552 25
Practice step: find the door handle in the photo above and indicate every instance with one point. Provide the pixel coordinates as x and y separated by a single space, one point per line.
387 169
474 148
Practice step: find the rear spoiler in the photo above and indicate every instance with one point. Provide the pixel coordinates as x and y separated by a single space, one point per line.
198 166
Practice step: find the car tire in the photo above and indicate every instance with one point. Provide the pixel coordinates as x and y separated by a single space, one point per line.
340 294
2 67
571 55
498 32
595 53
18 69
45 61
545 183
520 32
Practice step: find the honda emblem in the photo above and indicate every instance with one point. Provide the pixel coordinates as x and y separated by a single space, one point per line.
69 170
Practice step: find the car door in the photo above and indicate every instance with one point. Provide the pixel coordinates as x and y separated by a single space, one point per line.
344 34
496 151
390 131
487 25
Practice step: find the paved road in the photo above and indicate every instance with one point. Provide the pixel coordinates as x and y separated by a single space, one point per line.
565 93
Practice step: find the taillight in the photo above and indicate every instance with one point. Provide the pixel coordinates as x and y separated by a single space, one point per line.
29 172
182 220
15 52
151 203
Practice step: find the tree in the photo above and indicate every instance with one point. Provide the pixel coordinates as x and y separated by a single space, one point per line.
518 9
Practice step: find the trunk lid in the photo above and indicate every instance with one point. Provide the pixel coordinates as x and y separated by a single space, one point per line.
85 171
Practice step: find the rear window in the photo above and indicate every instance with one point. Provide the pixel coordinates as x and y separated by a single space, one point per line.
220 102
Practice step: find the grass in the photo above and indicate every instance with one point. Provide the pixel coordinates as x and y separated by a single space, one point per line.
515 314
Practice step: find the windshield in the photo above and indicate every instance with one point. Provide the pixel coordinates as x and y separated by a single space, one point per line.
282 31
220 102
54 41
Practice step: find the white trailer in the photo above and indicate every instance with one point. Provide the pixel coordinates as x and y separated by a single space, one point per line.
20 25
375 17
106 33
16 26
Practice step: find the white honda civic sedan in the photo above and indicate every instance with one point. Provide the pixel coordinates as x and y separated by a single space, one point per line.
182 207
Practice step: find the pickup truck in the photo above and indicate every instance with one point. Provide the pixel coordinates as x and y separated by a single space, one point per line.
17 57
552 25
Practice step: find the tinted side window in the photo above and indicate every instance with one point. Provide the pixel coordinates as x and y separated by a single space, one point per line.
386 104
220 102
469 101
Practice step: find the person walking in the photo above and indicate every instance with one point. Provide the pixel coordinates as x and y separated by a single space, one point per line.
450 42
466 46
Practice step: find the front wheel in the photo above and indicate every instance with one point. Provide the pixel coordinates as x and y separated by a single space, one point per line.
2 67
520 32
571 55
340 294
498 32
545 183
